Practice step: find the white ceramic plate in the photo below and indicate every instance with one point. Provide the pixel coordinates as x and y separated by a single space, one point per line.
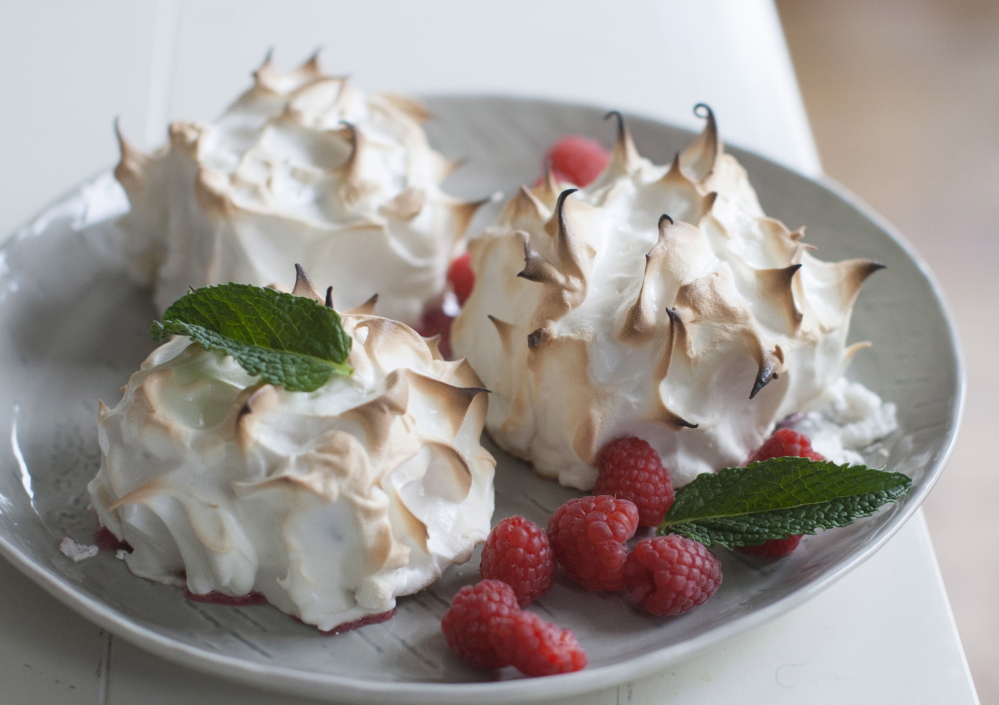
75 328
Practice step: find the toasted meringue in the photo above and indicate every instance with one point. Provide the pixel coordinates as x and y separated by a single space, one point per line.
302 167
594 315
330 503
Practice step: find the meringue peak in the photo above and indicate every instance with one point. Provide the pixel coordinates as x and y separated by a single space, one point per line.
302 167
660 301
331 502
702 154
624 157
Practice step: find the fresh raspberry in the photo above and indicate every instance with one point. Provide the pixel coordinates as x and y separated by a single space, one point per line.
577 159
462 277
518 552
783 443
486 628
536 647
671 574
473 618
631 469
775 548
587 537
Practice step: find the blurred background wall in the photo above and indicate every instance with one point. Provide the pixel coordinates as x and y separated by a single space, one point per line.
903 97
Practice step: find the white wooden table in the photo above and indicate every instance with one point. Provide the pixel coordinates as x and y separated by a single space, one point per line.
883 634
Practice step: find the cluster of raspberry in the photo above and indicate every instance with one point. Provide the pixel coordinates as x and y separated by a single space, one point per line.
669 575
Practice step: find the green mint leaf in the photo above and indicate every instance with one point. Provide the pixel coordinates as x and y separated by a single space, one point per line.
776 498
287 340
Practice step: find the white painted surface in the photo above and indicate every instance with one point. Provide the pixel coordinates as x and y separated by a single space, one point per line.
69 68
884 634
66 70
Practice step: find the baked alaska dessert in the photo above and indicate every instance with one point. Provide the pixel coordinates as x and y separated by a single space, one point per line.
658 302
302 167
329 503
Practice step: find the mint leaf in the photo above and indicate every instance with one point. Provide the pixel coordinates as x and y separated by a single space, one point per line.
776 498
287 340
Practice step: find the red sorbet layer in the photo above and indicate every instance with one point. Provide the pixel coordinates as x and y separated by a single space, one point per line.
106 541
251 599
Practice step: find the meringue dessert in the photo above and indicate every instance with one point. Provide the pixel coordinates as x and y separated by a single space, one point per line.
659 302
302 167
329 503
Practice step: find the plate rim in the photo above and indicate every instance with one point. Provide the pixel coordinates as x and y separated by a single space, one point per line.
286 680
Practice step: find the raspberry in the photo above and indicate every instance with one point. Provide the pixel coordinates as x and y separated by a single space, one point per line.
517 552
436 322
783 443
631 469
577 159
486 628
537 647
671 574
587 537
469 624
775 548
462 277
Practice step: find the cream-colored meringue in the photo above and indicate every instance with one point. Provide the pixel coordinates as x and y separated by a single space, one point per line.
301 168
330 503
846 427
595 316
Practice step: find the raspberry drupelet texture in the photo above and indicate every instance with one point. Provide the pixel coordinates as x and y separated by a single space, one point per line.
517 551
470 623
536 647
631 469
671 574
577 159
783 443
488 630
587 536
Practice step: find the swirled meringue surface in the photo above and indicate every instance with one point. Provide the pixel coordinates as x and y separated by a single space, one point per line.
659 302
329 503
301 168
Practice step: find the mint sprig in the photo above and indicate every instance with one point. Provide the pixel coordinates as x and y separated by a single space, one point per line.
287 340
776 498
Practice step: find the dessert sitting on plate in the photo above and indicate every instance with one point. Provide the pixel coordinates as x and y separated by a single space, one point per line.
302 167
329 472
658 302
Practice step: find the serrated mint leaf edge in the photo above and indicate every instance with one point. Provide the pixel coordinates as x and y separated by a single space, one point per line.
778 474
893 486
301 373
713 532
260 308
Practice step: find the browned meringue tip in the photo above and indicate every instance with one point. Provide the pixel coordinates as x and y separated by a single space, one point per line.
304 286
410 106
365 309
624 156
702 155
132 161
